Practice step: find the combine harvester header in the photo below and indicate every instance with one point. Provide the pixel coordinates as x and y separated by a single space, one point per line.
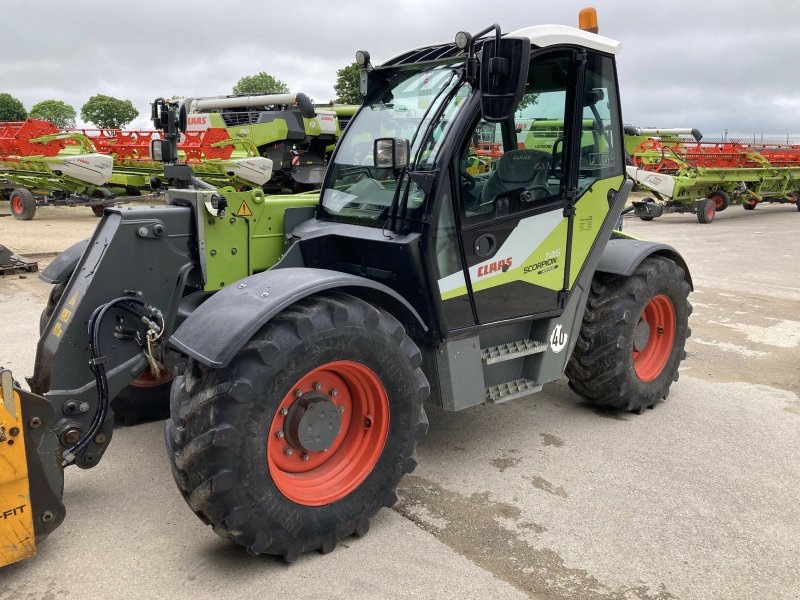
705 177
38 159
277 142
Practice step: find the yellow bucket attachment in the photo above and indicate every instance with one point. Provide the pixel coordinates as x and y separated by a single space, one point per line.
17 540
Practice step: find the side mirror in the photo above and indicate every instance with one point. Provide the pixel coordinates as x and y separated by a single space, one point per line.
504 73
391 153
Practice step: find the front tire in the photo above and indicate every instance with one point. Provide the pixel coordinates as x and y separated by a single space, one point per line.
332 365
23 204
706 211
633 335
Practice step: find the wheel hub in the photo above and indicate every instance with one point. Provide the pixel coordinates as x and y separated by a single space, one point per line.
312 423
641 335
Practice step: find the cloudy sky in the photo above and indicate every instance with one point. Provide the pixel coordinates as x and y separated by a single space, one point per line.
710 64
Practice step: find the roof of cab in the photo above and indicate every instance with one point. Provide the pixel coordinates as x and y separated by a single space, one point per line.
551 35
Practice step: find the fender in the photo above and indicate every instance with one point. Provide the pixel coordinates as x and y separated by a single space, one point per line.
621 256
64 264
223 324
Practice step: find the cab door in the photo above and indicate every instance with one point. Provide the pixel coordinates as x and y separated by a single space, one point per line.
512 197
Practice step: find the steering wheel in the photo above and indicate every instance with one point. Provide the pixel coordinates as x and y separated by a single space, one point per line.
467 181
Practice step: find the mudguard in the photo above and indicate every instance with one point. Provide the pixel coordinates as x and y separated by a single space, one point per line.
622 256
64 264
223 324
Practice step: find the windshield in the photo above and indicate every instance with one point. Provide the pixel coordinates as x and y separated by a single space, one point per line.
418 107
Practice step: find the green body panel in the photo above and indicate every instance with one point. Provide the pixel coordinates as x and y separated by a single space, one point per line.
590 212
250 237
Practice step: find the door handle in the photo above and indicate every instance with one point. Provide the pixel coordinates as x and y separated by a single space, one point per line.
485 245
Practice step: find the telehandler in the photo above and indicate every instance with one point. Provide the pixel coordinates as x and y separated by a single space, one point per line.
304 333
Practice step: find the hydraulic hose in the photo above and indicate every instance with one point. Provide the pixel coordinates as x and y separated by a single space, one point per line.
142 312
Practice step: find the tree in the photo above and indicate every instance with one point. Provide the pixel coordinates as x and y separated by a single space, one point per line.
11 109
59 113
348 85
107 111
262 83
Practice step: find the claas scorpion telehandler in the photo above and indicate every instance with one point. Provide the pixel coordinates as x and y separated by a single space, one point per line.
304 333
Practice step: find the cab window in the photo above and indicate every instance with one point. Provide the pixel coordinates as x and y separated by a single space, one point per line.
514 166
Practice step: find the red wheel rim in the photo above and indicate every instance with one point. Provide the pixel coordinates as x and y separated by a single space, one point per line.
16 204
316 478
718 200
147 380
710 211
659 315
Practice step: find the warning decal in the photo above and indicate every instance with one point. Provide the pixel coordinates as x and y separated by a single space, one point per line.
244 210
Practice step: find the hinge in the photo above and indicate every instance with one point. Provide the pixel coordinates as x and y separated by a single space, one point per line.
570 195
424 179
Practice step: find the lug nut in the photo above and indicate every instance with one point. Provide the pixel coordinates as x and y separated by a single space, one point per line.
287 451
333 392
341 408
305 456
284 411
317 385
280 434
298 392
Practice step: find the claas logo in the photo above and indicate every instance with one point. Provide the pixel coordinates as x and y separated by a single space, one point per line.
498 266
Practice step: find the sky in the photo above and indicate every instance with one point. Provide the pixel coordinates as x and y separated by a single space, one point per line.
708 64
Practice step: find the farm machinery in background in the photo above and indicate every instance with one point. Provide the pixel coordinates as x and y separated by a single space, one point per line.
688 175
278 142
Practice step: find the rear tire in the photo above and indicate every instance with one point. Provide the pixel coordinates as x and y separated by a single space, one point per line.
633 335
721 200
237 458
23 204
706 211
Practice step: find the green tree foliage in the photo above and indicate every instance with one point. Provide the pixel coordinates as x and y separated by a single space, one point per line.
107 111
261 83
11 109
348 85
57 112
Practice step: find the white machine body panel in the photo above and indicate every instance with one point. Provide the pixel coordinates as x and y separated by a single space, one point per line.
91 168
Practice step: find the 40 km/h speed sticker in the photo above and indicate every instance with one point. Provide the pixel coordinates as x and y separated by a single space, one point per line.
558 339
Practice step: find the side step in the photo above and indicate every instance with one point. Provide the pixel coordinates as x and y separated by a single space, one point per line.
510 351
511 390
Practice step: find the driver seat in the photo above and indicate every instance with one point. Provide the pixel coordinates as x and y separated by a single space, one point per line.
518 170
